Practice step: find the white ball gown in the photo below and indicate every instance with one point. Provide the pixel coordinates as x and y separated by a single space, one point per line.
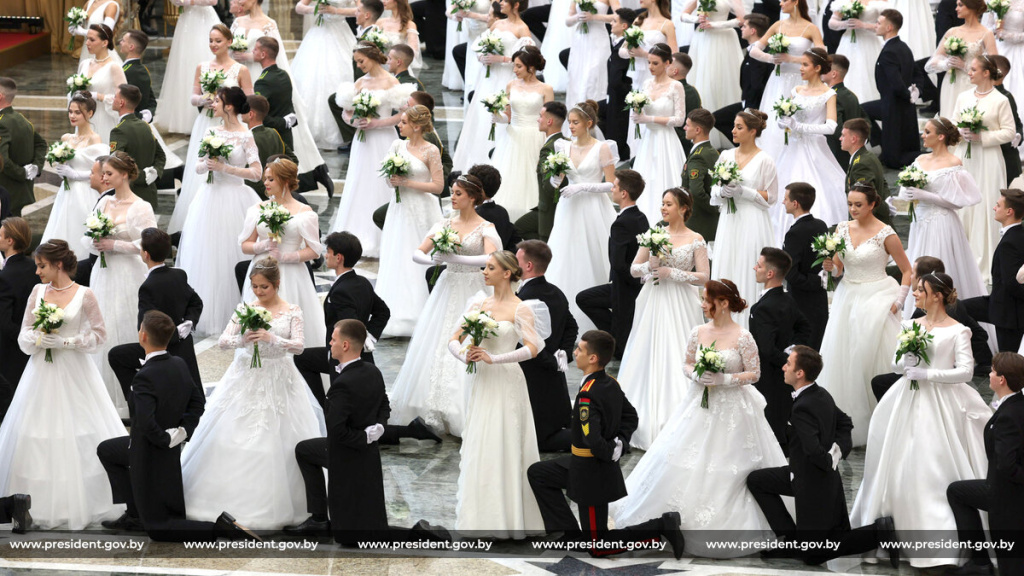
451 78
189 49
408 222
666 313
96 9
987 166
741 235
640 74
473 145
191 181
365 190
516 156
431 383
699 463
588 61
717 59
772 140
863 53
951 89
494 497
209 247
920 441
579 235
808 159
472 30
659 156
861 332
302 231
918 29
253 421
1011 45
558 37
58 416
75 202
117 288
104 81
317 77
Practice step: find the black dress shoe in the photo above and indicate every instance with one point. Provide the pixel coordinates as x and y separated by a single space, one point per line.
321 175
310 527
886 531
125 523
420 431
149 30
227 527
672 531
973 568
345 147
439 533
17 509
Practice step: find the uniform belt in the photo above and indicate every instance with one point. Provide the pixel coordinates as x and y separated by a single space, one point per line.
582 452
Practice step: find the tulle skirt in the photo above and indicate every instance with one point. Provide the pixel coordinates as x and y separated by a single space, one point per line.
59 415
473 145
400 279
297 288
717 60
365 190
950 91
650 375
67 217
808 159
451 78
117 290
190 181
660 159
317 77
588 65
516 157
189 49
987 166
558 37
938 232
918 27
739 240
861 77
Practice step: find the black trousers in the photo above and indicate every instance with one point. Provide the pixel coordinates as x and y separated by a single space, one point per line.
347 132
312 458
459 55
536 20
113 454
311 364
725 117
613 315
431 21
124 361
880 384
967 498
1007 339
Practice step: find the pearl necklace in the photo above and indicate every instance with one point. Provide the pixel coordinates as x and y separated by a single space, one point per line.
52 287
980 93
98 61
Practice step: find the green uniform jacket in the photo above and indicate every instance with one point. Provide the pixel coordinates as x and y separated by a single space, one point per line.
847 108
697 181
269 143
16 133
406 78
135 138
548 193
866 167
275 85
138 76
692 103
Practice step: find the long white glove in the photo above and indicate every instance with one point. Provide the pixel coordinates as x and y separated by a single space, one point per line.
178 435
902 298
31 171
109 22
264 246
828 127
198 100
737 190
584 187
78 30
290 120
617 452
837 454
713 379
911 360
151 174
912 193
563 361
456 348
48 341
184 329
916 373
373 433
421 257
513 357
66 171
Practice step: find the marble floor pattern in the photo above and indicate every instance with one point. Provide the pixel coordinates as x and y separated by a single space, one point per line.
420 477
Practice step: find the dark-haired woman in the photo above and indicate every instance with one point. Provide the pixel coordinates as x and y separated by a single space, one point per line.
699 463
863 323
105 74
922 440
979 40
60 411
76 199
209 247
106 12
656 23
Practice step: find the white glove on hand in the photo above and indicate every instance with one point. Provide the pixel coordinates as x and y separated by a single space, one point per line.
264 246
290 120
178 435
570 191
370 344
373 433
47 341
1016 140
911 360
147 116
710 379
916 374
729 190
78 30
184 329
1020 275
151 174
556 180
915 94
617 452
837 454
65 171
31 171
563 360
785 122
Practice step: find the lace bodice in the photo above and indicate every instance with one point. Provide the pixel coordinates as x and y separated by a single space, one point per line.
231 73
243 154
949 353
814 108
419 171
591 166
689 264
937 63
83 323
1013 23
742 361
671 103
472 244
953 184
526 107
286 327
865 263
303 230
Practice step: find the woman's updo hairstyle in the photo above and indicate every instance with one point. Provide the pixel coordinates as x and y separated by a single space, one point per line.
587 110
507 260
472 187
284 170
979 7
530 57
234 97
419 117
57 252
268 268
754 120
119 160
85 101
224 31
868 191
683 199
944 127
941 284
724 290
371 51
819 57
987 64
105 34
662 51
519 5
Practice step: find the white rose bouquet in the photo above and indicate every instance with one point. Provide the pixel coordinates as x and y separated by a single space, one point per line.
377 38
240 43
588 7
209 82
48 319
914 340
78 82
634 38
658 241
60 153
556 163
99 227
705 7
489 43
955 46
495 104
75 18
710 360
723 173
461 6
826 246
213 146
974 120
636 100
478 325
274 217
786 107
848 10
254 318
777 44
911 177
395 165
446 241
365 105
1000 8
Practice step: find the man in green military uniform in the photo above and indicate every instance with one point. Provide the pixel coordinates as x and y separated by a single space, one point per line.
268 141
275 85
697 172
536 224
847 106
135 138
400 56
864 165
132 46
21 163
678 70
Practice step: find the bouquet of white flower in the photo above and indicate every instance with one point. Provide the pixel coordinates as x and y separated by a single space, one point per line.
556 163
914 340
446 241
78 82
319 5
588 7
827 246
955 46
911 177
478 325
658 241
634 38
1000 8
848 10
705 7
635 102
364 105
786 107
495 104
60 153
777 44
254 318
723 173
209 82
48 319
274 217
489 43
377 38
213 146
99 227
974 120
461 6
394 165
240 43
75 17
707 359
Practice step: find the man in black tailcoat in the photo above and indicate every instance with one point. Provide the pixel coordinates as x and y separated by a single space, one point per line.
803 281
17 279
616 119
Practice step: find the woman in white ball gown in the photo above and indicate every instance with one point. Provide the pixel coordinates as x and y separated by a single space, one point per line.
979 40
588 52
106 12
105 74
862 49
399 28
174 112
656 24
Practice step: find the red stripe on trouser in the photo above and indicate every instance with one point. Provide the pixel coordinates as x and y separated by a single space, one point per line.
593 522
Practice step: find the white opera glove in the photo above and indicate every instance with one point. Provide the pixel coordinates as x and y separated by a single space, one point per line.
837 454
690 18
66 171
290 120
147 116
1020 275
110 22
287 257
184 329
639 118
563 360
571 190
264 246
826 128
916 374
594 187
78 30
910 360
421 257
178 435
479 260
617 451
785 122
48 341
198 100
31 171
1016 140
457 350
304 9
370 344
902 298
714 379
915 94
373 433
151 174
557 180
969 135
513 357
499 118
